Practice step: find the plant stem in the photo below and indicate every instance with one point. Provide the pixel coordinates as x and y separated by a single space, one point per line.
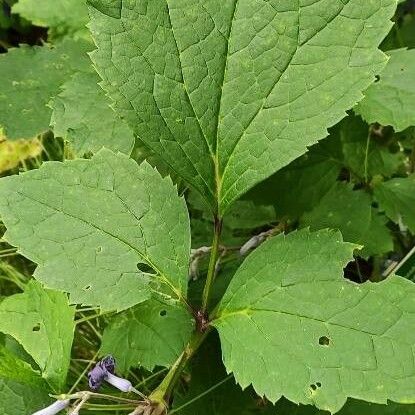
212 263
162 393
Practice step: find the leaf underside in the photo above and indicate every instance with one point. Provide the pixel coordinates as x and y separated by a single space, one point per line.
292 326
106 230
229 92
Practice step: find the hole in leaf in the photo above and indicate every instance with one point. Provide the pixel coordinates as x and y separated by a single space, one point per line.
318 384
87 288
163 313
313 387
36 327
377 78
324 341
147 269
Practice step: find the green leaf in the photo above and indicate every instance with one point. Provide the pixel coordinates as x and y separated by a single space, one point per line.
151 334
13 368
229 92
366 153
391 100
397 198
43 323
352 407
351 212
291 325
106 230
88 123
20 399
298 187
62 17
29 77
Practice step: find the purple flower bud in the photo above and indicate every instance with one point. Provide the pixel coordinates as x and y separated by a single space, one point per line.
98 374
109 363
54 408
123 385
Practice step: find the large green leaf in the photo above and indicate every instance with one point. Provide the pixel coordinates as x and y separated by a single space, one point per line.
397 198
229 92
62 17
291 325
42 321
88 123
29 77
106 230
151 334
391 100
352 213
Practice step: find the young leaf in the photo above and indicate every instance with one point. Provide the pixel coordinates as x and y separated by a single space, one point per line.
229 92
88 123
150 334
351 212
105 230
397 198
391 100
29 77
42 321
291 325
62 17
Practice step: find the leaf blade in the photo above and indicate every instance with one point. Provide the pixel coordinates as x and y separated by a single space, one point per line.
45 327
129 216
150 334
311 343
286 79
